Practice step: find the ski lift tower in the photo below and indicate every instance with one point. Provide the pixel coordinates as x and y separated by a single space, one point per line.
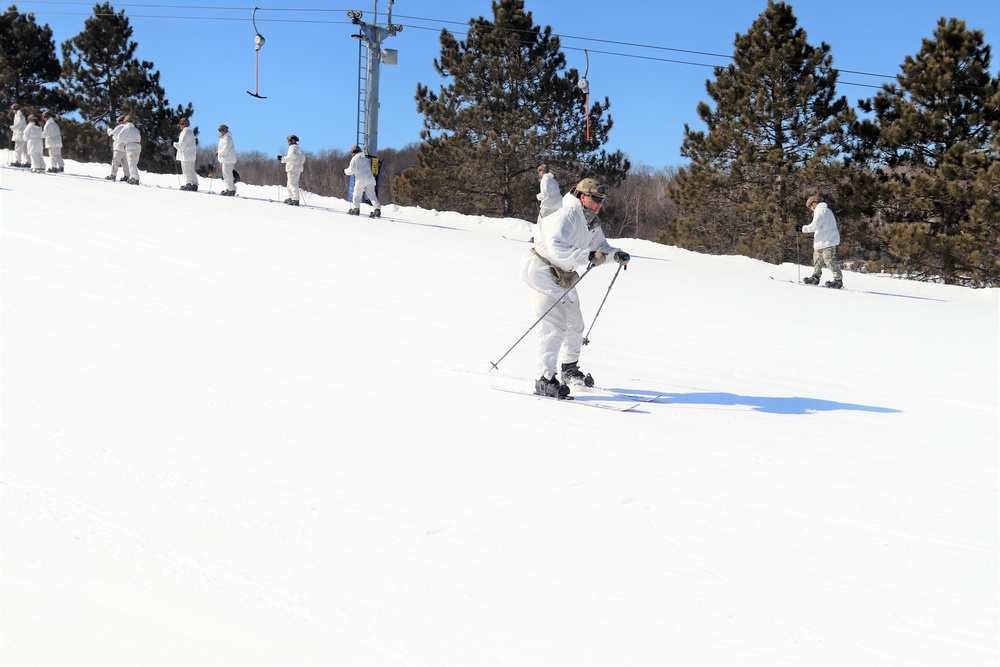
370 58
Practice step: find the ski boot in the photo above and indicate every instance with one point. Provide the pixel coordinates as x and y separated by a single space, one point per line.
550 387
354 211
811 280
377 213
571 374
836 283
292 202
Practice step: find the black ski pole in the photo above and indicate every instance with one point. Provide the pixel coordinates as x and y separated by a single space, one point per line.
586 337
798 263
496 364
211 181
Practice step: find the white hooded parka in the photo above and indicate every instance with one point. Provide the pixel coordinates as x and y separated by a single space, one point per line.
361 169
823 227
17 135
186 145
548 197
34 146
295 160
51 134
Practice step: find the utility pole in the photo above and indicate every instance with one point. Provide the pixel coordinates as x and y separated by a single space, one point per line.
370 58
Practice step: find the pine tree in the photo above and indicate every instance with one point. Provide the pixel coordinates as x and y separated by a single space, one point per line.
28 64
104 79
774 135
511 106
932 142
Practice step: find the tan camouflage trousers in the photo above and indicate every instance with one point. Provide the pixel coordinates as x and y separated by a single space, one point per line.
826 258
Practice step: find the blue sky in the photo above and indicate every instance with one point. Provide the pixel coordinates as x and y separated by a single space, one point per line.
650 57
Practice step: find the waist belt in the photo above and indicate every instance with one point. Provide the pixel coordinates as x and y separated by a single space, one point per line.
565 279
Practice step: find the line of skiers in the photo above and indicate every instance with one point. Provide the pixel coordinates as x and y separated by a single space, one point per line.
30 141
294 161
126 146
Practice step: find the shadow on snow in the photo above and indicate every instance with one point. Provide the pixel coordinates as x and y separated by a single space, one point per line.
779 405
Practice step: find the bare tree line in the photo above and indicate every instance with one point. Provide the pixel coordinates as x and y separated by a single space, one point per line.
323 173
640 207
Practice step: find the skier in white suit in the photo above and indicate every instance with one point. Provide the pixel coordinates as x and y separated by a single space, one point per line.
132 144
187 153
118 151
53 141
227 159
364 183
549 198
294 163
17 134
565 240
34 145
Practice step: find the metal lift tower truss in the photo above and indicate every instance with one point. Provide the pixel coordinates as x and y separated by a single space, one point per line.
371 56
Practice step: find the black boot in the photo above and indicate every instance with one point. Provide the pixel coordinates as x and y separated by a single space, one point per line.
836 283
551 387
811 280
571 374
377 213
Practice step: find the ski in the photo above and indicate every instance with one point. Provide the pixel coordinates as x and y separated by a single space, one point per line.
786 280
621 394
630 407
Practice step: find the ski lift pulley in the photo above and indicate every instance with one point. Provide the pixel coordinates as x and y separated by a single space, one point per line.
258 41
584 86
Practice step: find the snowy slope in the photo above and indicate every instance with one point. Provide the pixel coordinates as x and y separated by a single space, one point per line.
240 433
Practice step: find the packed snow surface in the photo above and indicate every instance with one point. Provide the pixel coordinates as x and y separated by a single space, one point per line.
241 433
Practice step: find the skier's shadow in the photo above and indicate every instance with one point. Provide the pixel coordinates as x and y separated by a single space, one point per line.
779 405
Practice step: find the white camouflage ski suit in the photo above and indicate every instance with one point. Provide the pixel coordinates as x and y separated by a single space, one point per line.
17 134
118 151
294 163
187 152
34 145
227 159
132 144
548 198
53 141
566 240
364 180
